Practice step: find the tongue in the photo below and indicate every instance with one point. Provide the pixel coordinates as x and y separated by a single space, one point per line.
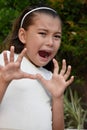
43 54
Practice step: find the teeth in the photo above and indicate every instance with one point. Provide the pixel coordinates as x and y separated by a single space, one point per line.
46 56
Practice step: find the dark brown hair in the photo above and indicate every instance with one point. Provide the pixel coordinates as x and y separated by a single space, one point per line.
29 20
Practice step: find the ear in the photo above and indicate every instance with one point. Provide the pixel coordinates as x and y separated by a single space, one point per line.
21 35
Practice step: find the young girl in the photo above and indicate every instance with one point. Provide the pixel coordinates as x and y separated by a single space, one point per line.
32 96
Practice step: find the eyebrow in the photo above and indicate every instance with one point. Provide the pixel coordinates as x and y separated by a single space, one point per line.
42 29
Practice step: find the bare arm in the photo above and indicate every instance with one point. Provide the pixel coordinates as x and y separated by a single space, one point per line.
57 114
11 70
3 87
56 86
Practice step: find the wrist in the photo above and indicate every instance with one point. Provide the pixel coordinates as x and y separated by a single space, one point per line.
60 98
3 80
3 87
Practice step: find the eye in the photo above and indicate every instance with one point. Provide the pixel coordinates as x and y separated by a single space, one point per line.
42 34
57 36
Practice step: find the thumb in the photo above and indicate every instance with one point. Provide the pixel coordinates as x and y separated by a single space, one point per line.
41 79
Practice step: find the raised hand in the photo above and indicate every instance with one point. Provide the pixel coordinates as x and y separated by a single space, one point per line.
12 70
59 81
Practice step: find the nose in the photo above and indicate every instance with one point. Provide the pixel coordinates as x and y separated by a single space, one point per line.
50 42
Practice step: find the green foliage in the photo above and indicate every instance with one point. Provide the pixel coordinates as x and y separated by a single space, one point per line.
74 40
9 10
75 115
73 48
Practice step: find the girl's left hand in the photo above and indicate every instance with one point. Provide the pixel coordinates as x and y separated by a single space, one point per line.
59 81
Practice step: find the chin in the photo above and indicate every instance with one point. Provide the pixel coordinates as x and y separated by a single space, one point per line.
41 64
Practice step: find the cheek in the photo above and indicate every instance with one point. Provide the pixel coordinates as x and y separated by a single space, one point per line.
57 46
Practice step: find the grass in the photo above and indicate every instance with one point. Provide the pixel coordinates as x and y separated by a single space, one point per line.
75 115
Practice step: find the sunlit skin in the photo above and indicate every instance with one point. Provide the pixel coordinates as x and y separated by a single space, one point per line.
48 39
43 35
12 70
42 41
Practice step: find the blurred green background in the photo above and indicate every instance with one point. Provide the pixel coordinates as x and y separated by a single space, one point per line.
73 48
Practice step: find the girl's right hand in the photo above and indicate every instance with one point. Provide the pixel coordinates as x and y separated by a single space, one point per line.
12 69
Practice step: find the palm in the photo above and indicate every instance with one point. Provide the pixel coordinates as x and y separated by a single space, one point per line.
12 70
58 83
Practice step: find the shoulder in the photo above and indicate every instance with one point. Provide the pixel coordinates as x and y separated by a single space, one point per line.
46 73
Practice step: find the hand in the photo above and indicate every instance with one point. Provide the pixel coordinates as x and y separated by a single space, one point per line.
12 70
59 82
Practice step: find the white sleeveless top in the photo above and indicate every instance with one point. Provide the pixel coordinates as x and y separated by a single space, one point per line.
26 104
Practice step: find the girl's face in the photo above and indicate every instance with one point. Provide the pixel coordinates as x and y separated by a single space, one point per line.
42 39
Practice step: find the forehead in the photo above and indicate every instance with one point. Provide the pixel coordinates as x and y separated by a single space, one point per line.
47 21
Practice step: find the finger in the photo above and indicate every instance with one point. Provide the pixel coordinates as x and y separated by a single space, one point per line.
20 57
5 57
67 74
1 67
26 75
70 81
12 54
56 66
63 70
41 79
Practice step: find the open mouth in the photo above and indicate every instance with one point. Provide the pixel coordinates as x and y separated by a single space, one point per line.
44 54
